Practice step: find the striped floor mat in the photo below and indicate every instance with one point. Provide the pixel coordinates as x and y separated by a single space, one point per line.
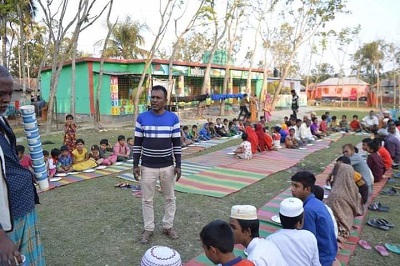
72 178
217 181
267 226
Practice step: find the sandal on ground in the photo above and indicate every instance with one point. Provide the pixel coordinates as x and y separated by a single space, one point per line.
384 223
374 223
396 175
395 248
123 185
364 244
389 192
377 206
382 250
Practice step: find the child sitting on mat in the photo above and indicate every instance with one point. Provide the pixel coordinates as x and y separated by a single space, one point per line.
51 162
64 163
121 149
105 148
80 157
244 149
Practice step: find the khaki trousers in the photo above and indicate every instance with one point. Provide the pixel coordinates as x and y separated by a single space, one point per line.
148 182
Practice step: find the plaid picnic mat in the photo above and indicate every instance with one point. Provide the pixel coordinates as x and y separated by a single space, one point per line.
72 178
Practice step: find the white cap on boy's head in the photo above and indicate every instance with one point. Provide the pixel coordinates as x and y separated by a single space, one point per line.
383 132
291 207
244 212
160 255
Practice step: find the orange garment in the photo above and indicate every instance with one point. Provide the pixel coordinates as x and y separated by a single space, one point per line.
354 125
253 138
268 141
261 138
387 159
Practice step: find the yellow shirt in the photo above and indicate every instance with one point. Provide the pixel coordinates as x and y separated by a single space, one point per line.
358 179
79 157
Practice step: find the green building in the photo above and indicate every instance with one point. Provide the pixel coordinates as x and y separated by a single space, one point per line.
121 78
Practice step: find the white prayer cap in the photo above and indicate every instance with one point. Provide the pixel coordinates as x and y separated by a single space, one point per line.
244 212
386 112
385 120
160 255
291 207
383 132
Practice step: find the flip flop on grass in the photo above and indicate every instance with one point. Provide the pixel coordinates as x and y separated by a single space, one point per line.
364 244
384 223
382 250
395 248
389 192
377 206
374 223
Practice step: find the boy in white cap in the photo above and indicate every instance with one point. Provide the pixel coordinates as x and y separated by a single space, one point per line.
299 246
245 225
217 241
160 256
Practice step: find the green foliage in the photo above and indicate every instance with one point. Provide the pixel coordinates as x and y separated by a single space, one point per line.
126 40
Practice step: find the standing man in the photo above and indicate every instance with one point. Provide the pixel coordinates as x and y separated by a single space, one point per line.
295 103
157 144
19 233
243 108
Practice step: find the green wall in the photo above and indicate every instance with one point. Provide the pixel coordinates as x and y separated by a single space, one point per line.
63 94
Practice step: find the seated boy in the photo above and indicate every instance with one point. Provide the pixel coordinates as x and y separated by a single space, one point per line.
217 242
129 142
355 125
24 159
121 149
64 163
298 246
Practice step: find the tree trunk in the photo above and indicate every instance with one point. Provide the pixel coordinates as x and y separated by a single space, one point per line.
97 115
282 79
73 77
4 40
22 50
159 37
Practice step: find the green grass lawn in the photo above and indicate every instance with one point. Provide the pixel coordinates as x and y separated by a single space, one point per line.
93 223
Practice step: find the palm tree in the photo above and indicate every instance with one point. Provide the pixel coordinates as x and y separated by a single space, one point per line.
9 15
126 39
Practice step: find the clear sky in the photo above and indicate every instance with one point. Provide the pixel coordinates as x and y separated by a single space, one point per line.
378 20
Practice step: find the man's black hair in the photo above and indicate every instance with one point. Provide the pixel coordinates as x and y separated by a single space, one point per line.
344 159
253 225
366 140
307 179
290 222
160 88
121 137
318 192
104 141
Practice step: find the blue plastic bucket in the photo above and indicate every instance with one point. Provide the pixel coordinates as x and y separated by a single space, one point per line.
32 134
36 148
30 126
33 141
27 109
29 118
38 161
36 155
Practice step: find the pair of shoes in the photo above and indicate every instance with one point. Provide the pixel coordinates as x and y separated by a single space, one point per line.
171 233
377 206
145 239
389 192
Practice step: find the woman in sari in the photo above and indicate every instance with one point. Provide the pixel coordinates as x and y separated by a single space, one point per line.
344 199
267 107
253 109
252 137
262 146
